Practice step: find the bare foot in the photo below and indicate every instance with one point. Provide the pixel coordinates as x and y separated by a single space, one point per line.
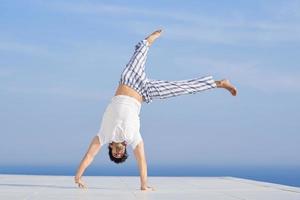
227 85
153 36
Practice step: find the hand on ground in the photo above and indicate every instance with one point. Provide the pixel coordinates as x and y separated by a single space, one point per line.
147 188
80 183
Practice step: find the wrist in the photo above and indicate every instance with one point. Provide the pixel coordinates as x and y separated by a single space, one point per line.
143 187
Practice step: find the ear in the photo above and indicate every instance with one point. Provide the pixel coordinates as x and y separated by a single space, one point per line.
111 145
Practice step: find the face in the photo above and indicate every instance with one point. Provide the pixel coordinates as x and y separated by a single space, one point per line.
118 149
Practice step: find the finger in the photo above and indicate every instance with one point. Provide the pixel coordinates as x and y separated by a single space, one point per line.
83 185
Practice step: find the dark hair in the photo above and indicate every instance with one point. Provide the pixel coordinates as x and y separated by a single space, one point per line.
117 160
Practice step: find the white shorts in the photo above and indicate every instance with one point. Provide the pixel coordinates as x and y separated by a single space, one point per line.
121 121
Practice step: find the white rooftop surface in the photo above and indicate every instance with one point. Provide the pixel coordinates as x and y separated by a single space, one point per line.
43 187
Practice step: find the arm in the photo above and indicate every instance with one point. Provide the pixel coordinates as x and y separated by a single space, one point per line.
87 159
139 154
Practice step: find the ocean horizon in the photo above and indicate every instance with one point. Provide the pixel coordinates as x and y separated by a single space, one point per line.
281 175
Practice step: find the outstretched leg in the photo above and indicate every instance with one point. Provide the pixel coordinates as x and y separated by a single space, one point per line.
161 89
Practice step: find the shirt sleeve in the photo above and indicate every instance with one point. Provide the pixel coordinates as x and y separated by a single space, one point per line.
136 140
102 139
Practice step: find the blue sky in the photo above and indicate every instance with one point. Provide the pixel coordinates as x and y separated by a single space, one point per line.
60 62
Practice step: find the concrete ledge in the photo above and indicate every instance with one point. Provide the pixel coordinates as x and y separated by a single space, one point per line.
43 187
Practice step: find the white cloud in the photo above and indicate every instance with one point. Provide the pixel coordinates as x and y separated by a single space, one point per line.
249 74
5 72
24 48
287 10
236 29
58 91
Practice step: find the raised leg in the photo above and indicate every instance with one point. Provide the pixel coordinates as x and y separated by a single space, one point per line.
161 89
134 73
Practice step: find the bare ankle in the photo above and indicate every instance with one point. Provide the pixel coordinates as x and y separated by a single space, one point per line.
149 41
218 83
